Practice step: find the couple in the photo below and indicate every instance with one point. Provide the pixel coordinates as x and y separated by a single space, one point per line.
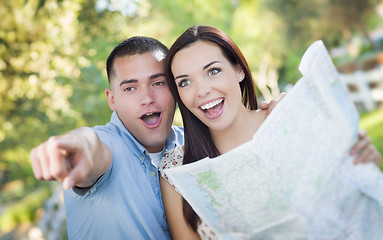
111 181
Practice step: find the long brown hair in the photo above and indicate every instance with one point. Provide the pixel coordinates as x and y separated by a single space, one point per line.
198 141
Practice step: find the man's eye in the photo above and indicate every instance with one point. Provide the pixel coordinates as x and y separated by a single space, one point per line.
128 89
158 83
213 71
184 83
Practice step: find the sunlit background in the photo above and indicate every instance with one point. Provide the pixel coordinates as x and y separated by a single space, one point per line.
52 72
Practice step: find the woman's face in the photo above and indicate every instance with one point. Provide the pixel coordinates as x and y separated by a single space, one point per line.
208 84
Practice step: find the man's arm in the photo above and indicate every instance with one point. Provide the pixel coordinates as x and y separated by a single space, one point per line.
77 158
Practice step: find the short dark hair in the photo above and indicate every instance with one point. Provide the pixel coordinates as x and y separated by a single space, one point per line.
132 46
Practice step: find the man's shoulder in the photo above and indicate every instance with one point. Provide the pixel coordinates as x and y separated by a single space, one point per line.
107 127
176 138
112 128
106 132
115 139
178 129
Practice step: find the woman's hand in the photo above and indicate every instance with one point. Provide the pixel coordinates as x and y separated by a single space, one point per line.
269 106
365 150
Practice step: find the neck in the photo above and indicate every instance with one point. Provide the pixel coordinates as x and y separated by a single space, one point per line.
241 131
154 149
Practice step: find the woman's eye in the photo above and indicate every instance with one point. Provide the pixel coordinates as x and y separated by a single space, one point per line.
184 83
213 71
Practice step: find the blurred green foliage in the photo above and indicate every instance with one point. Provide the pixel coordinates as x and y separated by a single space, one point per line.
53 53
19 212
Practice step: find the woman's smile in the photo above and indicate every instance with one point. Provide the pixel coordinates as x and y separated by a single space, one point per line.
213 109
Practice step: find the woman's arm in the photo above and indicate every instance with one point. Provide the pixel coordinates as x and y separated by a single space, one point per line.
172 200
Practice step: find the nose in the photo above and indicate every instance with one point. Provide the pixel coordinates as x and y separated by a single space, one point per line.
147 97
203 88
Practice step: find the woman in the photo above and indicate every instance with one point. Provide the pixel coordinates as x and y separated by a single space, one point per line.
212 84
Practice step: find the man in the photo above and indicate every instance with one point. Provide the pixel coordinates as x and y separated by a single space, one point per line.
113 184
110 172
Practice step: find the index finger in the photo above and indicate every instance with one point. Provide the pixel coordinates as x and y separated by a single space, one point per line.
57 164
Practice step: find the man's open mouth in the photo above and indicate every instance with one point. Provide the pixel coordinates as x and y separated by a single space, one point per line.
151 118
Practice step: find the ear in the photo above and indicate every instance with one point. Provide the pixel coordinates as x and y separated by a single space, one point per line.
240 73
109 95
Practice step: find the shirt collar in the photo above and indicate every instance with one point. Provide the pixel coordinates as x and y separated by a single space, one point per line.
138 149
170 143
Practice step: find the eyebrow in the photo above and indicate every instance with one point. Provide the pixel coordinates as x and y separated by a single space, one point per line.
157 75
209 64
128 81
180 76
204 67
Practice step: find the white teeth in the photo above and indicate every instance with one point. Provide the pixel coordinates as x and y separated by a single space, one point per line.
211 104
148 114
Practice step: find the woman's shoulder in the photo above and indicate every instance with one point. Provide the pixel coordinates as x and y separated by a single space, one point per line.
172 158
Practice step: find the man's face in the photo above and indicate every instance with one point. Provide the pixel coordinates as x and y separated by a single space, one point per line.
142 99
